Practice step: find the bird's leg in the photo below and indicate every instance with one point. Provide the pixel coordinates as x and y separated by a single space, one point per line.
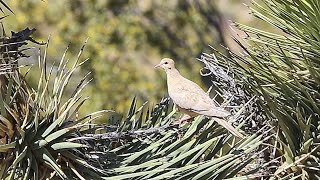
186 118
182 119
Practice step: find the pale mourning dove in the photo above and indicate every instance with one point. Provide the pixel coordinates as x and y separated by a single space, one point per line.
191 99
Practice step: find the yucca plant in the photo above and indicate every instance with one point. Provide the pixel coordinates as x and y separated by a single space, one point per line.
153 146
283 71
39 131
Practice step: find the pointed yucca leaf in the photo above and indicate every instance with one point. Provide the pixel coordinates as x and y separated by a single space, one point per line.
135 146
307 127
240 111
134 175
81 162
67 145
60 119
312 102
202 151
9 91
56 135
65 81
254 146
69 110
8 128
17 160
130 114
233 171
304 125
38 100
77 108
165 120
134 157
74 170
147 116
190 153
287 166
173 147
203 169
57 85
306 145
6 6
196 125
254 142
139 121
314 72
59 73
215 149
3 168
81 85
124 148
43 99
26 118
266 19
6 147
290 176
135 168
28 168
301 99
49 75
207 133
288 154
66 76
2 106
65 106
90 116
44 60
89 173
132 120
13 113
47 158
182 149
167 137
2 17
222 171
238 178
175 172
279 116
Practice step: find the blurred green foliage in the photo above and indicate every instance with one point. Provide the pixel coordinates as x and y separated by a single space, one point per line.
126 39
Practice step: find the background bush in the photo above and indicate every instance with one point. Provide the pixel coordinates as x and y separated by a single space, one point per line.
127 38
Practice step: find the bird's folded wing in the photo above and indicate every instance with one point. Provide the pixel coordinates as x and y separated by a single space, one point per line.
189 96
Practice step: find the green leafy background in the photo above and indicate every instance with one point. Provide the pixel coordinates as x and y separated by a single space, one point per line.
127 38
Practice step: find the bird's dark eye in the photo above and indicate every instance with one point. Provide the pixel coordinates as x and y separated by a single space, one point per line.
165 62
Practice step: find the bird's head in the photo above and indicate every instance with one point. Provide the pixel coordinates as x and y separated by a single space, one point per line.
166 64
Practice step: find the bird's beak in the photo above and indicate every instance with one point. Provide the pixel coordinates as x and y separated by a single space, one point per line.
157 66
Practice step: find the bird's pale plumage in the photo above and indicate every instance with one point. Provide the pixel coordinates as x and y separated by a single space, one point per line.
190 98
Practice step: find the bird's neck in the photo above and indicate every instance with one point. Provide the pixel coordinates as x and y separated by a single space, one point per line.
173 75
172 72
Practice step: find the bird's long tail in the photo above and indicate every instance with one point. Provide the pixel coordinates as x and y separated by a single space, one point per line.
228 126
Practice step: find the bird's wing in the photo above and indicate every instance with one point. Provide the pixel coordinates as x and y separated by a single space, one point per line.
189 96
206 107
